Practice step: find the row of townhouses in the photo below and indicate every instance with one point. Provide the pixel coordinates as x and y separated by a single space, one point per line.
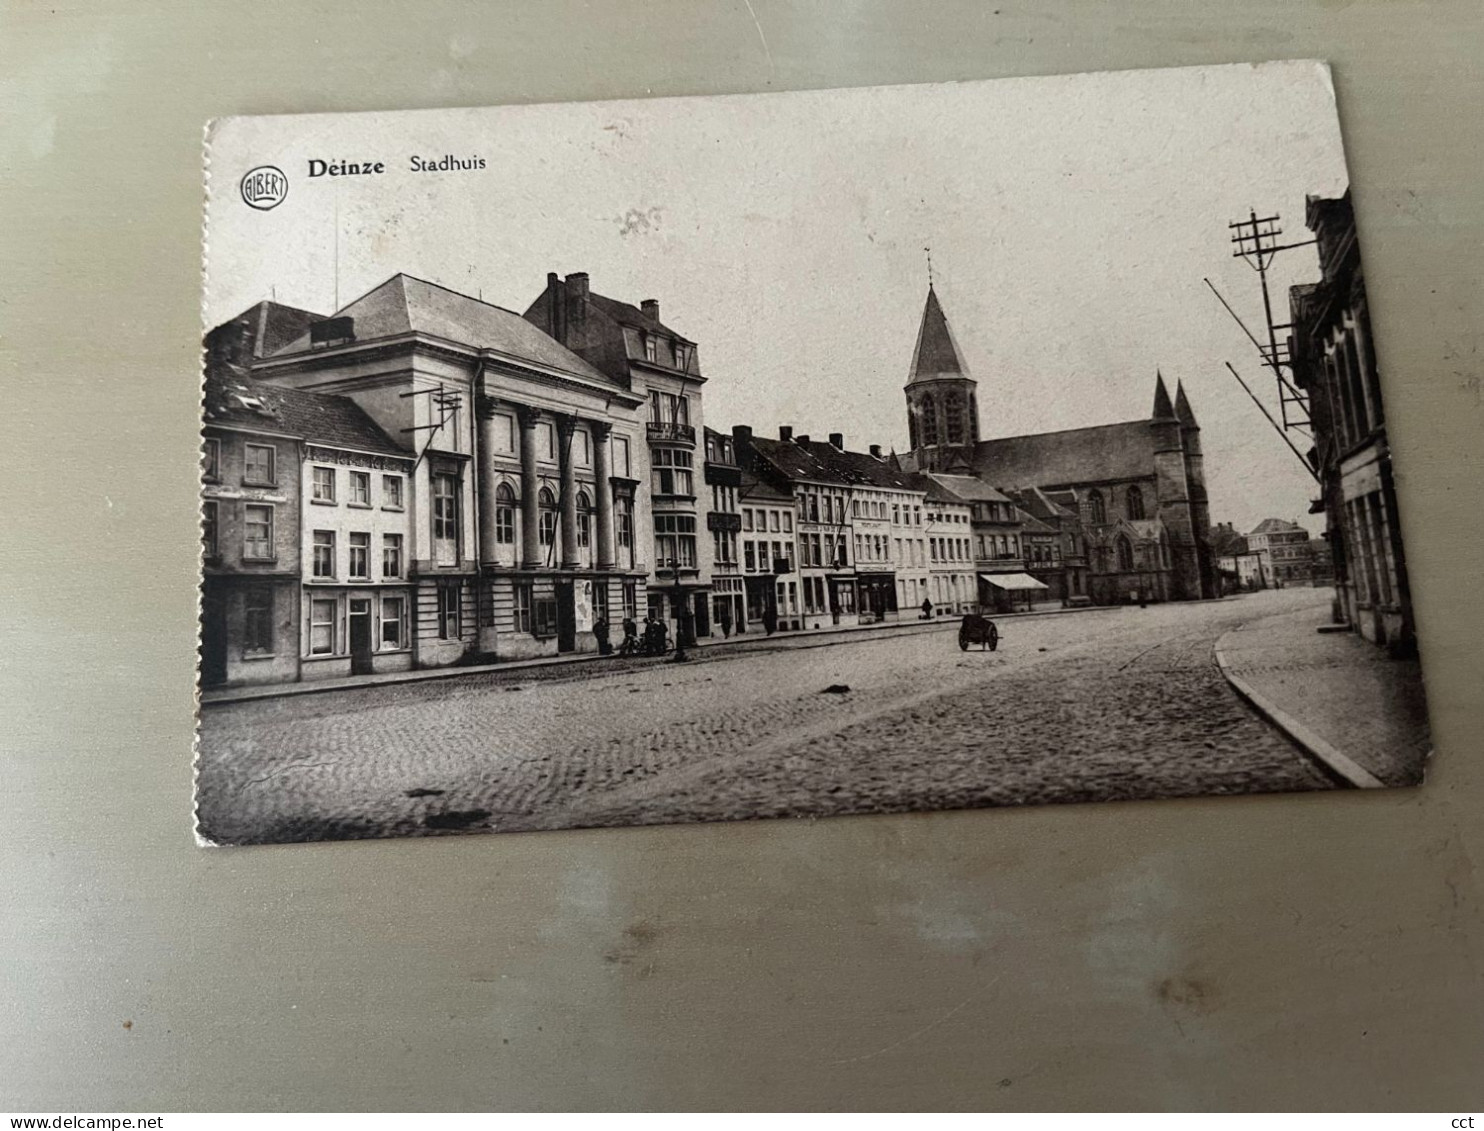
423 479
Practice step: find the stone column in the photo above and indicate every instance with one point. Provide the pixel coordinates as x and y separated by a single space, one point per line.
602 472
566 426
486 479
530 517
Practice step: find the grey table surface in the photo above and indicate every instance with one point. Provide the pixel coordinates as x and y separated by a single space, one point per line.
1316 951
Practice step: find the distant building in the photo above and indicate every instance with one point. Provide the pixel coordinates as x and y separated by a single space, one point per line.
1066 575
1284 550
949 537
724 524
1334 361
1138 487
767 543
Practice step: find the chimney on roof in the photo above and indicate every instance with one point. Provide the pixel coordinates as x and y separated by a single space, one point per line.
802 441
741 434
577 284
651 308
875 451
785 432
837 440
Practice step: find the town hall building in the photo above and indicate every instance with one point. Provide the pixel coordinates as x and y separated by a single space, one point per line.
1138 487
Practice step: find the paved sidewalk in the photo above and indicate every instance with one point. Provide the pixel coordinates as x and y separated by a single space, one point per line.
1343 699
794 639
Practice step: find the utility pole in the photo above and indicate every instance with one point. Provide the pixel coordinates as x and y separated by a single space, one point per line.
1257 241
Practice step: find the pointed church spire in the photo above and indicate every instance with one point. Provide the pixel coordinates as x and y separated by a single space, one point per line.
1182 407
1163 410
936 355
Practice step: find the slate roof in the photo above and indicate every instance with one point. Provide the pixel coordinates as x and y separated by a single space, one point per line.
965 488
1042 504
1275 526
630 315
1078 455
1182 407
1163 409
1030 524
820 462
259 330
936 355
321 418
404 304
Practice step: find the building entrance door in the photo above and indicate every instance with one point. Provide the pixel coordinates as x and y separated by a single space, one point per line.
566 617
213 640
360 635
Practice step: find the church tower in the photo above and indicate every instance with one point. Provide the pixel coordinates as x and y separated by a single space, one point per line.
942 405
1195 478
1172 486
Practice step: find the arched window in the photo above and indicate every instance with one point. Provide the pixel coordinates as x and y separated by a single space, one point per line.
1135 503
1096 508
1125 555
953 411
929 413
546 502
504 514
584 520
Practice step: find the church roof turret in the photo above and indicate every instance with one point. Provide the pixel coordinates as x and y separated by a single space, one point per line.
1182 407
1163 410
936 356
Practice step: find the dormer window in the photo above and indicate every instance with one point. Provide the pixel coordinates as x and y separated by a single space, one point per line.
651 348
682 357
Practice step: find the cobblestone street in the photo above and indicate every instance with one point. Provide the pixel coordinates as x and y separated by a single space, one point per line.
1103 704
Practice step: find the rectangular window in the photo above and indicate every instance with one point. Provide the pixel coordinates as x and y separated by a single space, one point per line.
522 621
621 457
631 599
209 529
322 627
582 448
323 481
257 464
624 509
675 540
360 556
391 493
775 522
544 616
446 510
391 555
670 472
749 557
393 623
788 522
746 518
651 348
257 627
211 460
449 613
545 440
600 600
257 532
360 489
324 554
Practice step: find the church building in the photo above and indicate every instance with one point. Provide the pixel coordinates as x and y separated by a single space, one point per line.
1138 487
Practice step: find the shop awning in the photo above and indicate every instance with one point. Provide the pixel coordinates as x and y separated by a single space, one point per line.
1012 581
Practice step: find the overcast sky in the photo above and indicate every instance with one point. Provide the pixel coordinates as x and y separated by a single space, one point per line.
1070 219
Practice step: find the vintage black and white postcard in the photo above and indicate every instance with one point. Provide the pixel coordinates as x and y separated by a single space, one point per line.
788 455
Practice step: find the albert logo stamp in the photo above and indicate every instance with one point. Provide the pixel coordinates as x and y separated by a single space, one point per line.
264 187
